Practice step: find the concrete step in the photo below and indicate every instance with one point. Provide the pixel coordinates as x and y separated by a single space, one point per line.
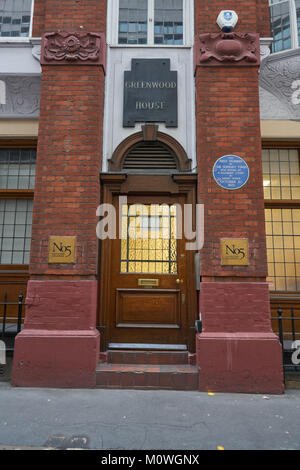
147 376
147 357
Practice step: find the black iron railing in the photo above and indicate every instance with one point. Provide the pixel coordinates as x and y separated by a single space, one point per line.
288 331
11 318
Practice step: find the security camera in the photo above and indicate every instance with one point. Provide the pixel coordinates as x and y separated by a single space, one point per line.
227 20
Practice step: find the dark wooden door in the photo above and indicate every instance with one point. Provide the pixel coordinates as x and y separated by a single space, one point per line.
148 295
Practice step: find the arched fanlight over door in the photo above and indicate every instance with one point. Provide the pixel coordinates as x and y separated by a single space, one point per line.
150 151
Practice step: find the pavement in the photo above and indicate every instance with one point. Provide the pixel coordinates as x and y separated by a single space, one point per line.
119 420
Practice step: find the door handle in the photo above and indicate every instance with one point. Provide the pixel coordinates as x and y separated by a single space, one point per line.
179 281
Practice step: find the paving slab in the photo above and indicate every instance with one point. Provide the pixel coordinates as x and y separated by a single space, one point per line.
147 420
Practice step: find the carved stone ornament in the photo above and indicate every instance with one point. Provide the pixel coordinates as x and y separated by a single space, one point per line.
279 79
225 49
76 48
265 47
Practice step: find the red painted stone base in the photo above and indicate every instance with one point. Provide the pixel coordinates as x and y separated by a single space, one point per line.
59 345
237 350
240 363
65 359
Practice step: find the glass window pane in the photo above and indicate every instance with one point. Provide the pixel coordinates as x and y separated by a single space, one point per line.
15 15
151 245
7 244
280 25
168 22
17 168
297 2
283 247
17 216
133 20
281 175
6 257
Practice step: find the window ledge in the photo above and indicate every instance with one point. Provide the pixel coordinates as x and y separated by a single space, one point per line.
285 53
19 41
284 295
150 46
16 40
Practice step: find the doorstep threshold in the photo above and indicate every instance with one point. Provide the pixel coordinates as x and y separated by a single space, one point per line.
164 347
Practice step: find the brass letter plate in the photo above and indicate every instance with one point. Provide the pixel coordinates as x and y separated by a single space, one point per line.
61 249
234 252
148 282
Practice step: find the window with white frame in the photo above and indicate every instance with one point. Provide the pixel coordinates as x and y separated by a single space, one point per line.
15 18
285 24
151 22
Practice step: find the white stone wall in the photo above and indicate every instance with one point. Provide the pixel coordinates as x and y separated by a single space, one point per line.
119 60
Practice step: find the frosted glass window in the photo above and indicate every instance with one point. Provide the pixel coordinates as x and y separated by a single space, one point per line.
283 248
281 173
15 230
281 176
17 168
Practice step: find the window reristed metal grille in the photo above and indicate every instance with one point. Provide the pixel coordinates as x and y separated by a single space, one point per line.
149 243
150 156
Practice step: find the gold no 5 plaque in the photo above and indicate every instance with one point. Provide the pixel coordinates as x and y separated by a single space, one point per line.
62 249
234 252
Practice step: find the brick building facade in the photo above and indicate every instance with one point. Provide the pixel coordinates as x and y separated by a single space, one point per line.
121 311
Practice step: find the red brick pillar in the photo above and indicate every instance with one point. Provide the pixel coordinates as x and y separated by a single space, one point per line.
59 345
237 350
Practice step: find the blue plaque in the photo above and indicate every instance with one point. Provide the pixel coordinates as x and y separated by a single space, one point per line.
231 172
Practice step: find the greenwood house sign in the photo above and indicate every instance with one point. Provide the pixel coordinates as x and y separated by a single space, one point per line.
150 93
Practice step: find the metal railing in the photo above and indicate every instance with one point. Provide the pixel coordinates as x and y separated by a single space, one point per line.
11 319
289 337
